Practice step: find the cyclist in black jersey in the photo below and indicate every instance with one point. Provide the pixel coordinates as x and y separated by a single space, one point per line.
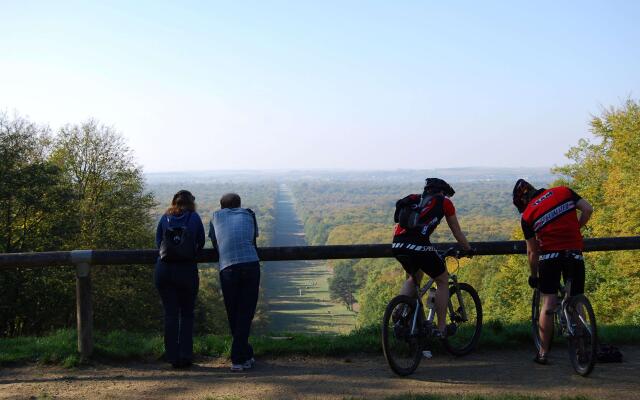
435 204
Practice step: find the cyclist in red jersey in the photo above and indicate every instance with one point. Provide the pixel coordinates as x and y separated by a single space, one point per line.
551 229
416 242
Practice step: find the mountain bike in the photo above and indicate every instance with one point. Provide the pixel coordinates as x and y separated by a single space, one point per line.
405 328
574 319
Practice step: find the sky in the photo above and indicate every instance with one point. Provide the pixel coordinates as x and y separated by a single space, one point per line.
324 84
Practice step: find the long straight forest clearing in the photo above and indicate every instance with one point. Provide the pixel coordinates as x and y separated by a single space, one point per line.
297 292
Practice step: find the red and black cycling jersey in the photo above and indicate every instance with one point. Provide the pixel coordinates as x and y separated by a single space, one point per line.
551 217
437 207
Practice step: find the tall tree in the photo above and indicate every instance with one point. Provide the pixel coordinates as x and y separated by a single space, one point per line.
113 210
342 285
113 207
35 208
606 173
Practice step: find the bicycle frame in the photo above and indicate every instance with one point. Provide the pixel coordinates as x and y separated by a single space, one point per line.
453 279
562 312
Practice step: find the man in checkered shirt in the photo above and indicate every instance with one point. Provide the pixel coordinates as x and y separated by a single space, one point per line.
233 231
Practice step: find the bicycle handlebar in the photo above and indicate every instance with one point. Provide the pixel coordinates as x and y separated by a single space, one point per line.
457 253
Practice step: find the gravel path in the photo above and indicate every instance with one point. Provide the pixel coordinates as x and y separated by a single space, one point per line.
367 377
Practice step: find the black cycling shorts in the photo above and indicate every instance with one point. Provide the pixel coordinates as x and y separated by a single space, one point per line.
569 264
414 258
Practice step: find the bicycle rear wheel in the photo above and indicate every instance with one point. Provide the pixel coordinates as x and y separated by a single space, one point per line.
583 343
402 350
463 333
536 307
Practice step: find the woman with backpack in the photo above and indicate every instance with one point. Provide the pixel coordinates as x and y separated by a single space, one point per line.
179 238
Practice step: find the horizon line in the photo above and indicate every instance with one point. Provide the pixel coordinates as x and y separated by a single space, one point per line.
329 169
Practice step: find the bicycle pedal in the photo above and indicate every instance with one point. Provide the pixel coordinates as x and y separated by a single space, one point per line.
452 329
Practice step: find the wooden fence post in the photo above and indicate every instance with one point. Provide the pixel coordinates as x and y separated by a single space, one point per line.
84 306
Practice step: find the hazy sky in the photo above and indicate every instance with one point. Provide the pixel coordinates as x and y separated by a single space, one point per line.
324 84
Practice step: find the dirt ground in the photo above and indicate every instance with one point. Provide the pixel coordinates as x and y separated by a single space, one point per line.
485 372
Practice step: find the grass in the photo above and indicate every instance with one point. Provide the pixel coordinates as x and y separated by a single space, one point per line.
60 347
299 300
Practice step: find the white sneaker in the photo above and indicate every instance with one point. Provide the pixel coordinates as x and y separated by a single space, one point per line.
249 363
237 367
427 354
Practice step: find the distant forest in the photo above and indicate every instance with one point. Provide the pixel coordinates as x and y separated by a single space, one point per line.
78 188
603 171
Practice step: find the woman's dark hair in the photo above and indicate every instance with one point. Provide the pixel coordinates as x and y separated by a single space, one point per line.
181 202
230 200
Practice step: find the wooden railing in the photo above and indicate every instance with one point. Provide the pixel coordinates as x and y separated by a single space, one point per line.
84 259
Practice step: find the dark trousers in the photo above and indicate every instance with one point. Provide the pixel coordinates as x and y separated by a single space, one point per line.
178 286
240 284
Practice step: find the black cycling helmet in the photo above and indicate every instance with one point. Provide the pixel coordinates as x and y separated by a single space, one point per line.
523 191
432 185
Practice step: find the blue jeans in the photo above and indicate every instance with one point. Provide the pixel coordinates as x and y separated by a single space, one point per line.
240 284
178 286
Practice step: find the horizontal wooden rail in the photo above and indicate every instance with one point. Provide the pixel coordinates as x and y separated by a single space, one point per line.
83 259
148 256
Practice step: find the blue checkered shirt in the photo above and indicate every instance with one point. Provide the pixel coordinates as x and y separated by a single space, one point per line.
233 232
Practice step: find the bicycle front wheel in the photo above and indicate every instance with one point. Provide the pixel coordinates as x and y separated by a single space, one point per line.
401 348
464 322
583 341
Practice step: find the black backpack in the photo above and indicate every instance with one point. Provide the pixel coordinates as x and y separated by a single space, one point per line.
178 243
608 354
407 213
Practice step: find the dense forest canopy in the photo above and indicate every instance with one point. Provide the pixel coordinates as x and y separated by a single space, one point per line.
78 188
604 171
75 189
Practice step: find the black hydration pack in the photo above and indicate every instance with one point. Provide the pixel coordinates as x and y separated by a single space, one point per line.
178 243
407 213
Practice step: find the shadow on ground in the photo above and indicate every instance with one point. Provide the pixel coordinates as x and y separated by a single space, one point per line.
485 372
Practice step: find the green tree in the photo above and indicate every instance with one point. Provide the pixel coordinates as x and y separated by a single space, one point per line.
35 208
383 283
342 285
113 207
113 210
34 196
606 173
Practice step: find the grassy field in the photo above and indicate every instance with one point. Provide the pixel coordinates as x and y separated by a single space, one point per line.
298 299
297 292
60 347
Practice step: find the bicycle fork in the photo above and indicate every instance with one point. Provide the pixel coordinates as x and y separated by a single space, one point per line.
414 324
463 310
